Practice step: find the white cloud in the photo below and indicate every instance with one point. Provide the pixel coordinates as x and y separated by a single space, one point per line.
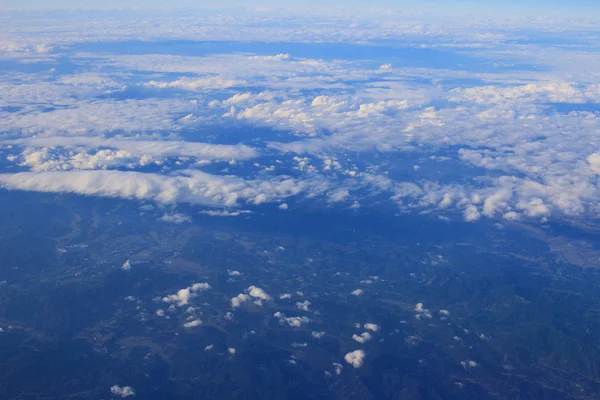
372 327
293 322
422 312
355 358
508 136
193 323
258 293
122 391
183 296
468 364
175 218
357 292
363 337
317 335
198 84
338 368
303 305
126 266
239 299
225 213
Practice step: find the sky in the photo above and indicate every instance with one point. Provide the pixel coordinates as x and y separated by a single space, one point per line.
528 6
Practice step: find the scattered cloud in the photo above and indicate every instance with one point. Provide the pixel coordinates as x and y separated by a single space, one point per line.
126 266
355 358
362 338
122 391
175 218
193 323
183 296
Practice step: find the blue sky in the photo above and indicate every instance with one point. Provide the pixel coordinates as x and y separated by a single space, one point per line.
530 6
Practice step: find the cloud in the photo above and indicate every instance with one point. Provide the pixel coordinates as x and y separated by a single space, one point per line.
175 218
198 84
504 139
126 266
44 153
225 213
239 299
192 323
303 305
338 368
363 337
422 312
355 358
317 335
183 296
122 391
372 327
293 322
195 188
357 292
258 293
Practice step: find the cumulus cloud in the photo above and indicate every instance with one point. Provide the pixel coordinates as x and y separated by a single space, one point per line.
506 135
193 323
363 337
258 293
317 335
303 305
239 299
126 266
195 187
175 218
338 368
355 358
196 84
122 391
225 213
293 322
183 296
59 153
422 312
371 327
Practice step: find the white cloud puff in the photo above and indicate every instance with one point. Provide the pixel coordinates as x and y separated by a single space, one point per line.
355 358
126 266
122 391
371 327
362 338
258 293
183 296
192 324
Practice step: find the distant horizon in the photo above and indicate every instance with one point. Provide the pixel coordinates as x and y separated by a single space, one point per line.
520 8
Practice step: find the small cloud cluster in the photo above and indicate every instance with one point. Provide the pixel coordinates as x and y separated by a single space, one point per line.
355 358
183 296
252 293
122 391
293 322
422 312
